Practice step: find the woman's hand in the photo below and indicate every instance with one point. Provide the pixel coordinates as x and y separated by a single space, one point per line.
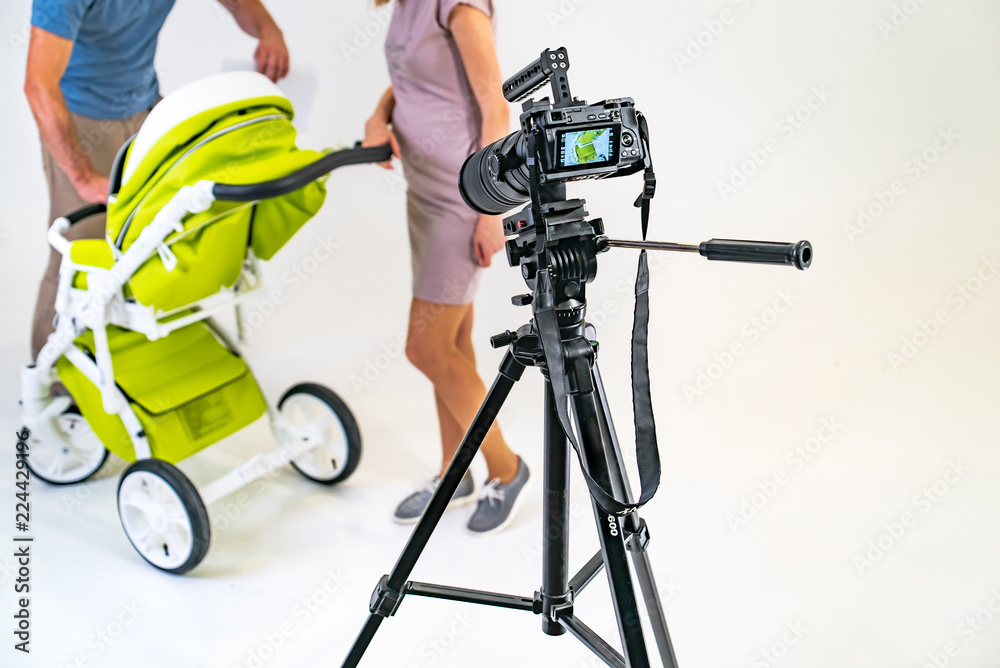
488 239
377 133
271 55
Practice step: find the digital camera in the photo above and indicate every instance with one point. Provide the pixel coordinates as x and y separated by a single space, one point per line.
573 140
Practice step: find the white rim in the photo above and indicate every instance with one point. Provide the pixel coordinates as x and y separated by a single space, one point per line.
307 414
155 519
75 453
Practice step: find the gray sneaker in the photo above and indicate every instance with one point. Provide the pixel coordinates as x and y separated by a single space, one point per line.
498 503
412 507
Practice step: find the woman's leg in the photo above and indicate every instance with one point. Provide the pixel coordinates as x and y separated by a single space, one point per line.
439 343
451 431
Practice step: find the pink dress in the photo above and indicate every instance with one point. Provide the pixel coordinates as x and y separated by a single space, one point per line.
437 122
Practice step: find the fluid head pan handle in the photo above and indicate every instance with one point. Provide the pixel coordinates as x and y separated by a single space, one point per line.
797 254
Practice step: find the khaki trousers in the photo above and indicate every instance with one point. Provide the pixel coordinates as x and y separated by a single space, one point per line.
100 140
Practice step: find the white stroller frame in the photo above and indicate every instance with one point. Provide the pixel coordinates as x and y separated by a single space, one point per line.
325 448
80 310
104 304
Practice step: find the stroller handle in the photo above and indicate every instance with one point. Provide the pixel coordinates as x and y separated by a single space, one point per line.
61 224
86 212
286 184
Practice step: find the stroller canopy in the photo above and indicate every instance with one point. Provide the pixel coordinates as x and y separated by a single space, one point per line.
231 128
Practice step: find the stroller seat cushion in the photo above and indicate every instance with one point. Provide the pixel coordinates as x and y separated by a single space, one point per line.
92 253
187 389
95 253
163 374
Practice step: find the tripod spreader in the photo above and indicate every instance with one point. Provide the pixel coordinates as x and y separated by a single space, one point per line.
799 254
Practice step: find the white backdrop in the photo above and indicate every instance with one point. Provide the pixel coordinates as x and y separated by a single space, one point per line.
829 495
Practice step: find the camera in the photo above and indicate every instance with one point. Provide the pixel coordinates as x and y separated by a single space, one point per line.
573 141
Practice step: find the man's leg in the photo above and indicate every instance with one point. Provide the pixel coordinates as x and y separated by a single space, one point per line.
101 140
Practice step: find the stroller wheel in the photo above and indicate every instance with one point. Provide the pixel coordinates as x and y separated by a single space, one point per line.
163 516
309 405
74 455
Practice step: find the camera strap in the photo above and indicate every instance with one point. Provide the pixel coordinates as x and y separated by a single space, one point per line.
546 321
646 447
648 176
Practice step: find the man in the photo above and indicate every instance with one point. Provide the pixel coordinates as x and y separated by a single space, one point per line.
90 83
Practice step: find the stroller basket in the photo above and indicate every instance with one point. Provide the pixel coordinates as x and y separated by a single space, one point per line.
188 391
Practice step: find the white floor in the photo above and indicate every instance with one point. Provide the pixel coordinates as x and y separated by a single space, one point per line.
290 572
758 547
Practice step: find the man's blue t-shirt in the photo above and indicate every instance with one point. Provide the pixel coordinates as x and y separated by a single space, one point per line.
110 72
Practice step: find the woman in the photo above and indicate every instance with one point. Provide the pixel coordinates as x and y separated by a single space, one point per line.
445 103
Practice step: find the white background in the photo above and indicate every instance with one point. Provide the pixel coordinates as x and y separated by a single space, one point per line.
730 591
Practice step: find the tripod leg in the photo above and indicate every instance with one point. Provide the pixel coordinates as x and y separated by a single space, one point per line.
555 520
389 593
616 465
610 531
650 593
636 528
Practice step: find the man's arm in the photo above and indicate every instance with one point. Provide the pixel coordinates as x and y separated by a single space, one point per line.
253 18
48 56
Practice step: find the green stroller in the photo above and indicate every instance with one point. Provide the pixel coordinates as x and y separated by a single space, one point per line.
212 183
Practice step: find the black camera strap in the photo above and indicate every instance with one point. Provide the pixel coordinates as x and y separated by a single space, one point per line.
547 324
648 176
646 447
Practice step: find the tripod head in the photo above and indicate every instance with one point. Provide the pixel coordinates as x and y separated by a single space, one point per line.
566 244
563 242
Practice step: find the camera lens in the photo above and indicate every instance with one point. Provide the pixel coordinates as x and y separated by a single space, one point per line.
494 179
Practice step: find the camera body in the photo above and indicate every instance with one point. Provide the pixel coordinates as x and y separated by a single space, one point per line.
582 141
573 140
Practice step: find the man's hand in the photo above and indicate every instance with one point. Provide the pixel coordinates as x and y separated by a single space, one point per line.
488 239
48 55
271 55
93 189
253 18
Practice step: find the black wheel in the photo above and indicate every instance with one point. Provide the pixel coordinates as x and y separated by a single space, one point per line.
313 411
65 451
163 516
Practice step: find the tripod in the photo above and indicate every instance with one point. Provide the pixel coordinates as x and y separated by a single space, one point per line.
618 537
557 247
571 244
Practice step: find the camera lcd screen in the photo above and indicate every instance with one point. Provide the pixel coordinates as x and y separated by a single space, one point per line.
582 149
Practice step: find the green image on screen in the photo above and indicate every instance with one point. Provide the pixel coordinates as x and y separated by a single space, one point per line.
585 147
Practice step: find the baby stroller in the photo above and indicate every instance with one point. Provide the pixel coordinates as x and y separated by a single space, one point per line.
212 182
